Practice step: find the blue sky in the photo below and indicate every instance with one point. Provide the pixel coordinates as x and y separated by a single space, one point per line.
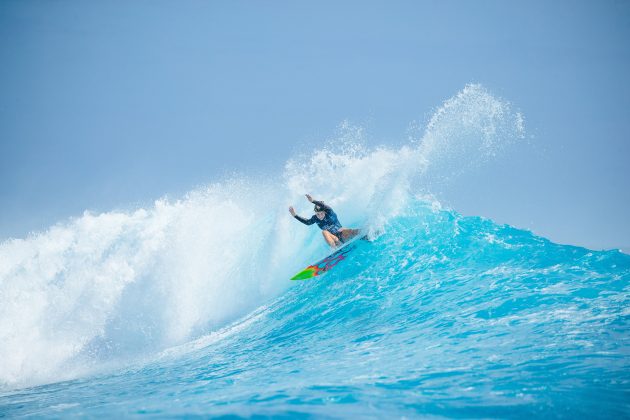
112 104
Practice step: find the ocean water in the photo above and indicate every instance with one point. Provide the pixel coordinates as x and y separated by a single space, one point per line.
184 307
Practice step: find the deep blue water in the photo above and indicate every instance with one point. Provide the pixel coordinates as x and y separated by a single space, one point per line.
440 316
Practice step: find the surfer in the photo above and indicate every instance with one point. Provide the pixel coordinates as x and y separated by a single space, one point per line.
328 222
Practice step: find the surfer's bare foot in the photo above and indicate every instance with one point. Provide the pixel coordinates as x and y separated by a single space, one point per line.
348 233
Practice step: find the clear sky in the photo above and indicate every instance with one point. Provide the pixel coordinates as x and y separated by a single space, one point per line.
111 104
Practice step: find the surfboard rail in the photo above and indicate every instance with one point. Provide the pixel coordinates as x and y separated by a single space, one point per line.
327 263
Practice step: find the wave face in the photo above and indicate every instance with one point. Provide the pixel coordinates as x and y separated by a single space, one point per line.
185 307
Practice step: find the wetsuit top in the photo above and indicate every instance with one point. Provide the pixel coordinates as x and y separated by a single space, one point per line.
330 222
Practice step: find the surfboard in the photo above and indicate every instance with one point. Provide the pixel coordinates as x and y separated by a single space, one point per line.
323 266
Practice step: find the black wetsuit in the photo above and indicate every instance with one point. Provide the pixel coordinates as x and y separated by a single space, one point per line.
330 222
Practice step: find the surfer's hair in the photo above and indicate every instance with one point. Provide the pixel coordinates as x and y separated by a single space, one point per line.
318 208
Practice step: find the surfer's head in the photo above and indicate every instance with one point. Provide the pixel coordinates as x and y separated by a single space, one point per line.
319 212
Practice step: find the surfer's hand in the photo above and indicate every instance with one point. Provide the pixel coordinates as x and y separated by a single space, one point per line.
292 211
309 198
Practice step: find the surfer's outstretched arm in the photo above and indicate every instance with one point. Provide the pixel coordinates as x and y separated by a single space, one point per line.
319 203
305 221
300 218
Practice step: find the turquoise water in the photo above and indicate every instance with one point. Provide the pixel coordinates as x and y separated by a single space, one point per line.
441 315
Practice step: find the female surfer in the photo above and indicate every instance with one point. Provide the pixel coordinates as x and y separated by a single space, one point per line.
328 222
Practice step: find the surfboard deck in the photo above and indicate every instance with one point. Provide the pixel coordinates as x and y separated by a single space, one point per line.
324 265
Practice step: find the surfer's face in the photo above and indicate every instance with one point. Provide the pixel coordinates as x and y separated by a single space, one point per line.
320 214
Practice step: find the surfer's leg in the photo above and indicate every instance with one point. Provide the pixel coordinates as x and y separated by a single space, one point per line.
331 239
347 233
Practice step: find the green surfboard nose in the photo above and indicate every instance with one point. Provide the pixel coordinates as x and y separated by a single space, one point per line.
307 273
